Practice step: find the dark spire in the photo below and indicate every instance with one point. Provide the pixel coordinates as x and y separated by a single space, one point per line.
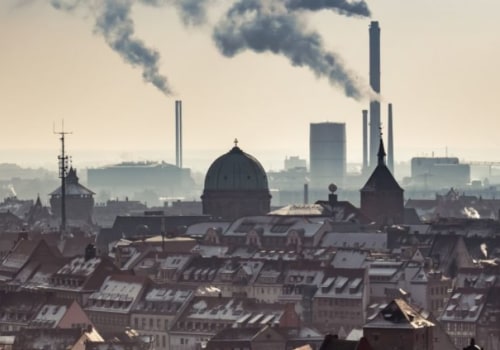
72 178
381 151
38 202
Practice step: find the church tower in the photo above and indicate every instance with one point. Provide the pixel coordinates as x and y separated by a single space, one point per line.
381 196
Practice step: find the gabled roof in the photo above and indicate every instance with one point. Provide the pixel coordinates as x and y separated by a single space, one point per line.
331 342
398 314
21 254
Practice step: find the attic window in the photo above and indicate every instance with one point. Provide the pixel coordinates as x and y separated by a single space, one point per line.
245 227
280 228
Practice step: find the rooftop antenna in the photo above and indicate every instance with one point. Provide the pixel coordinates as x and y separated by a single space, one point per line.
63 167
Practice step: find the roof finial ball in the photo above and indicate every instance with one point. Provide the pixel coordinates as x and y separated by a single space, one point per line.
332 188
332 197
235 142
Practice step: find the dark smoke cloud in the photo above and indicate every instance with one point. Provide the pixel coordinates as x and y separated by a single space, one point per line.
114 23
192 12
258 25
343 7
269 27
66 5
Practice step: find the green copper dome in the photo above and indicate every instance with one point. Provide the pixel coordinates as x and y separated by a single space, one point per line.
236 170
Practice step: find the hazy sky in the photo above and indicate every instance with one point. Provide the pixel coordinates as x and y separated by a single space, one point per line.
440 69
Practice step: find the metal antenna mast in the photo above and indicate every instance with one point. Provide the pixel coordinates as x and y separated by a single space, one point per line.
63 167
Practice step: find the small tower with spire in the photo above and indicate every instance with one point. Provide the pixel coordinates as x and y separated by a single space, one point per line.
79 200
381 197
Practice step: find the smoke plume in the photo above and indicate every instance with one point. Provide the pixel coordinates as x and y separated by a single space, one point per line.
343 7
114 23
274 26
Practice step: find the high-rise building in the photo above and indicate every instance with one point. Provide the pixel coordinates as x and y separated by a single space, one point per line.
327 157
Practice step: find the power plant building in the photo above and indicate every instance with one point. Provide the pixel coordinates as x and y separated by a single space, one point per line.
327 147
129 178
439 172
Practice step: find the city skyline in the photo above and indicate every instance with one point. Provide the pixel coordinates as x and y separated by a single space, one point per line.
434 69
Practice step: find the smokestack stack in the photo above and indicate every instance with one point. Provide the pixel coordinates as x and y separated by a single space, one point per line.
178 133
306 193
365 140
390 141
375 85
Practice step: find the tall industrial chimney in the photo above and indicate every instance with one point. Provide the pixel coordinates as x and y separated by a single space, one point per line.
375 85
365 141
390 141
178 133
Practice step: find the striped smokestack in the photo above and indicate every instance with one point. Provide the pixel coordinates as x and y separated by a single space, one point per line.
178 133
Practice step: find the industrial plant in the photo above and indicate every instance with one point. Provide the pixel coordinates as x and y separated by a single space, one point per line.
317 256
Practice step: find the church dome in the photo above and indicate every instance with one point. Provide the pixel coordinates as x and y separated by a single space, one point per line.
236 170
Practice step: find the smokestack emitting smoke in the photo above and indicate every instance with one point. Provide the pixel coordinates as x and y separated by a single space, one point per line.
375 85
390 140
259 25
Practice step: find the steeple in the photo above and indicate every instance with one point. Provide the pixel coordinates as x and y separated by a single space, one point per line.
381 151
382 197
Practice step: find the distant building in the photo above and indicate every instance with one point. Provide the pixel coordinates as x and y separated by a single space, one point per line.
294 162
381 196
327 147
288 186
142 180
437 172
236 186
454 204
462 313
265 337
399 326
79 199
155 312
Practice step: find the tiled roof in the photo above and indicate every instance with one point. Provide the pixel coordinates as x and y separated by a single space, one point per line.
398 314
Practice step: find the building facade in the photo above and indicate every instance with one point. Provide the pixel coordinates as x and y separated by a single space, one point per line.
327 154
